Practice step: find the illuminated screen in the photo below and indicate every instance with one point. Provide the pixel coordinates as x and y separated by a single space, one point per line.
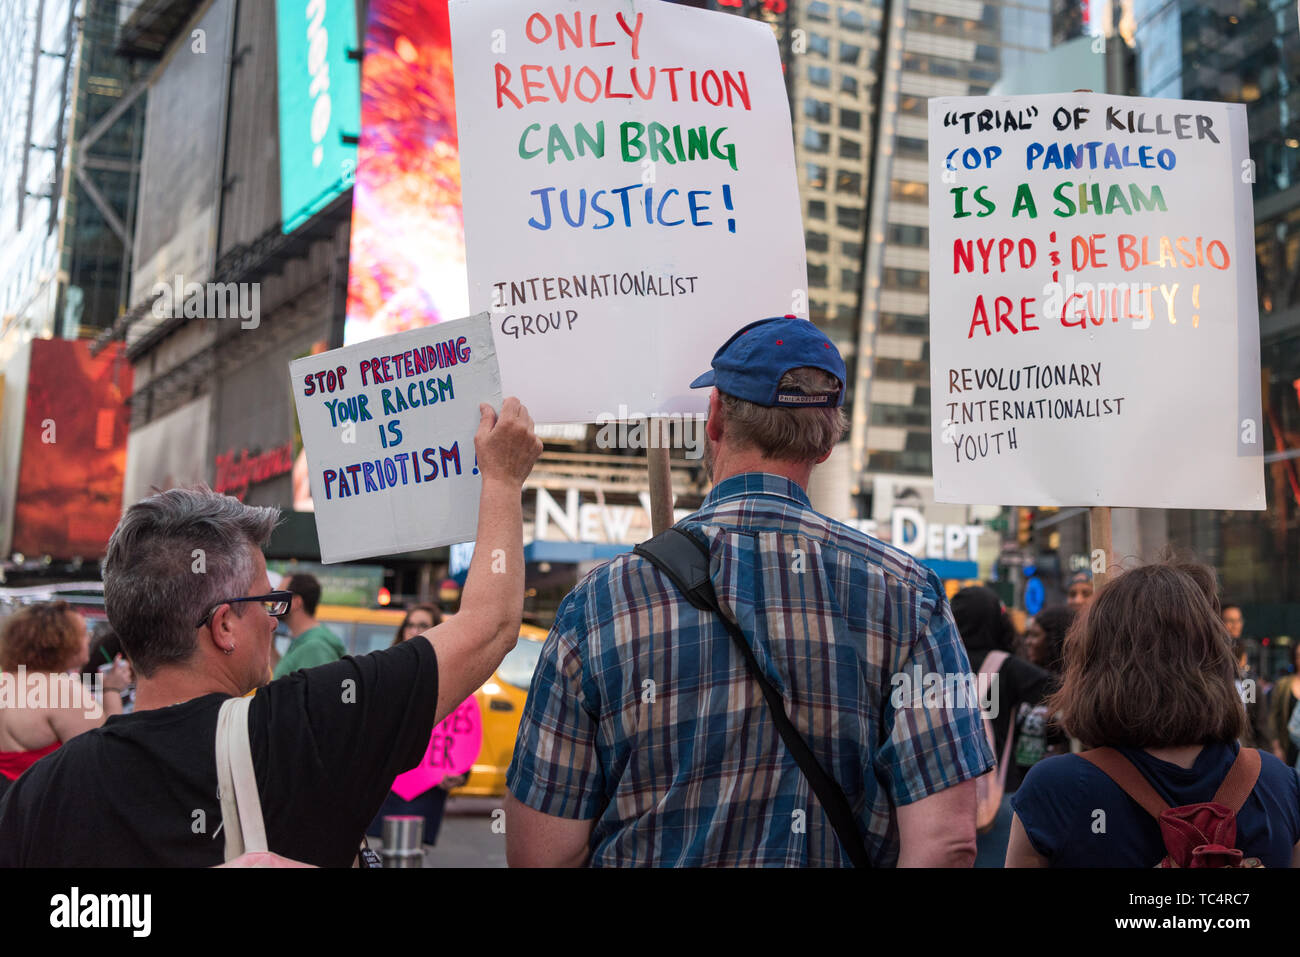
74 449
320 104
408 241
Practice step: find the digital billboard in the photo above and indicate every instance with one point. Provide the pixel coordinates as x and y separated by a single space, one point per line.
408 246
73 463
320 104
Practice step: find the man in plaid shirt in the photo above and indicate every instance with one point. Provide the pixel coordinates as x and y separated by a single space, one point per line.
646 741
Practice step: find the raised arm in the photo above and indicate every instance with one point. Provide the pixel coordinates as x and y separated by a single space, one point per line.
470 645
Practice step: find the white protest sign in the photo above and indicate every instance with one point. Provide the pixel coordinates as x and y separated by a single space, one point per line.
1094 331
629 194
388 427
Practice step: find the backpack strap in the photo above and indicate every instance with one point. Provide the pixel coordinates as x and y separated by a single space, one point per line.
991 665
1124 773
1232 793
1240 781
684 560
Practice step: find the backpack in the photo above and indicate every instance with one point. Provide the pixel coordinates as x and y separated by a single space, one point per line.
1195 835
990 787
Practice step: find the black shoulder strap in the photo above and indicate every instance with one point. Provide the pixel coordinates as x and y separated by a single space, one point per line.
685 560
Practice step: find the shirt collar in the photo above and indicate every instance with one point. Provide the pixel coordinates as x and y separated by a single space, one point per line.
748 484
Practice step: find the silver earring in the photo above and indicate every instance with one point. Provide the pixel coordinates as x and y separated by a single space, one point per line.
229 651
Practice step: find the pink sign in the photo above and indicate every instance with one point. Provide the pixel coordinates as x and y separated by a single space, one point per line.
452 750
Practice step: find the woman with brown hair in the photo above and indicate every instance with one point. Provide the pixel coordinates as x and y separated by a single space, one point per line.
419 619
46 706
1149 672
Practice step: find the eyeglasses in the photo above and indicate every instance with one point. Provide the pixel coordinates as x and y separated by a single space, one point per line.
276 605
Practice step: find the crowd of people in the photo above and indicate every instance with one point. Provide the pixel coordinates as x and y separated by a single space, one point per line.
724 695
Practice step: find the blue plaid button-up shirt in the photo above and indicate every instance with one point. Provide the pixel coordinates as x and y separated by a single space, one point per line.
642 714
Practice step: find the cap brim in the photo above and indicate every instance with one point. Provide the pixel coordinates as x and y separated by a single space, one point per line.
703 381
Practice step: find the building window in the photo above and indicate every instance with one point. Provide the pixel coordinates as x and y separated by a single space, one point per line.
850 149
849 53
849 217
851 19
849 85
819 10
848 183
908 192
908 235
817 275
904 325
909 144
852 251
850 279
819 75
910 279
816 209
850 120
817 242
816 109
815 141
819 44
816 176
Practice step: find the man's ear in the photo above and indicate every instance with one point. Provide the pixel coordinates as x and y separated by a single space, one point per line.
713 427
222 627
825 457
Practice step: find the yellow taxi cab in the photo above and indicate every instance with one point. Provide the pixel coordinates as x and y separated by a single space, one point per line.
362 630
501 703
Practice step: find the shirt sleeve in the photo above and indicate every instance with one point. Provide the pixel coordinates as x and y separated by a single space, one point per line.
556 768
1044 804
327 742
934 729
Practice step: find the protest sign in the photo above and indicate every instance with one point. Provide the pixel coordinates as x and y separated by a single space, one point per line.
1094 330
453 749
388 429
628 182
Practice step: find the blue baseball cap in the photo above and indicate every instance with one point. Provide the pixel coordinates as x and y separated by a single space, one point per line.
751 363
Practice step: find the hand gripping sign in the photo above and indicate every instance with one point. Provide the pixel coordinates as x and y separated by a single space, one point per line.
388 427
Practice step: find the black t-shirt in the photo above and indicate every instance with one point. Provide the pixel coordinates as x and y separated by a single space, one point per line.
142 790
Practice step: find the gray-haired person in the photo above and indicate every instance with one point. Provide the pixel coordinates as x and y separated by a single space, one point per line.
186 587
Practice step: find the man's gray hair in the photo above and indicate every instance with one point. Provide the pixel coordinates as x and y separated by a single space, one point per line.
787 434
171 558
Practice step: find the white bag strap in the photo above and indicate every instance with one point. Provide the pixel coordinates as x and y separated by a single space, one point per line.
241 808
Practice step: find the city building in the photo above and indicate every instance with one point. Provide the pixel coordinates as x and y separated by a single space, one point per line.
71 117
1250 54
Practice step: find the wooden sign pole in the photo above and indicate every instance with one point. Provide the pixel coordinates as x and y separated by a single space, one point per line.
661 482
1099 535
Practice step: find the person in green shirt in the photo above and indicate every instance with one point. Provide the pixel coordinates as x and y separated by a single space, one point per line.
313 644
